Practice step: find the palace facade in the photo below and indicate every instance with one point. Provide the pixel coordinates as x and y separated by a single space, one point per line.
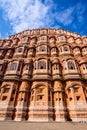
43 76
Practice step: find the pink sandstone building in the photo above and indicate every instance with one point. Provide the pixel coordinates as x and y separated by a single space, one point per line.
43 76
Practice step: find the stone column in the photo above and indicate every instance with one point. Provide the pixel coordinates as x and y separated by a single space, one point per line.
22 102
59 109
72 108
6 106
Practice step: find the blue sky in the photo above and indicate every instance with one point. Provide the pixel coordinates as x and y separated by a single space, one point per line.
19 15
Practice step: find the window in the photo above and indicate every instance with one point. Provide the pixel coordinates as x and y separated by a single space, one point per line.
6 90
75 90
53 49
71 40
83 66
42 65
86 66
27 67
21 99
35 66
70 99
15 41
43 39
48 95
69 90
76 49
56 99
12 99
8 52
20 50
62 38
19 66
71 65
42 48
8 42
41 90
24 39
65 68
41 97
13 91
13 66
78 98
4 98
33 40
65 48
84 49
56 66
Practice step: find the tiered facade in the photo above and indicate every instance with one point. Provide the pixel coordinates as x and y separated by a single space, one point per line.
43 76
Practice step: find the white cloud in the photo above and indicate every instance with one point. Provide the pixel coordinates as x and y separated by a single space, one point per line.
65 16
28 14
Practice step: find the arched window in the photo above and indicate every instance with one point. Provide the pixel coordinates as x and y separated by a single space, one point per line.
42 39
56 66
71 65
54 49
15 41
42 65
66 48
42 48
8 42
77 49
20 50
40 93
13 66
62 39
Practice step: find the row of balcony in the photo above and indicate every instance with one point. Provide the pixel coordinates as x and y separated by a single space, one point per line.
45 51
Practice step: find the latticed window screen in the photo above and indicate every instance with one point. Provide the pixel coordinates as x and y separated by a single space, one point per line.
71 65
20 50
54 49
66 48
42 65
13 66
42 48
